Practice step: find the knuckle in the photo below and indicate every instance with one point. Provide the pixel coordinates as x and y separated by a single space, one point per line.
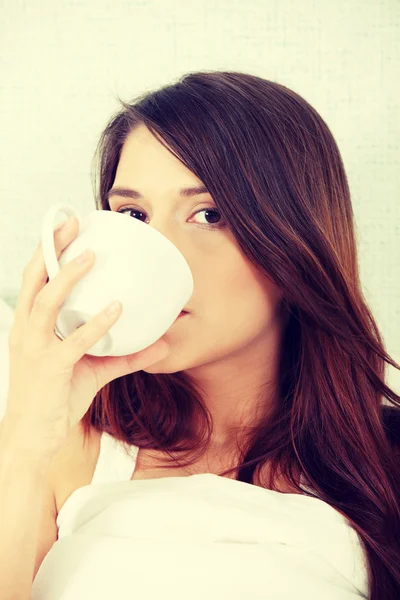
32 348
42 303
29 355
80 336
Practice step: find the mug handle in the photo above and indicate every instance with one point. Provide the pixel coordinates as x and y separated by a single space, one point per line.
49 251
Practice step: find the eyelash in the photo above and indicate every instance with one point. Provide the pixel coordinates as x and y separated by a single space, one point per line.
211 226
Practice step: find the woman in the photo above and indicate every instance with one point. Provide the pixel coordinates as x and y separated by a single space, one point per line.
269 464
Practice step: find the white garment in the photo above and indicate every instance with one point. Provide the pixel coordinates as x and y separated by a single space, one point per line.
196 537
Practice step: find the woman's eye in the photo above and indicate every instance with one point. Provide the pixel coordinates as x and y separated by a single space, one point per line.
209 214
123 210
212 212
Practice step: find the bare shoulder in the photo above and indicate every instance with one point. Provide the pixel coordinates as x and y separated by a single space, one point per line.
74 464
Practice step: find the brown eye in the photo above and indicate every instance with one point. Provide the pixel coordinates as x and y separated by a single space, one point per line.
123 210
210 214
213 212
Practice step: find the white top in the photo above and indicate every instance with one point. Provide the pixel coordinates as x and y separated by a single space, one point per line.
200 537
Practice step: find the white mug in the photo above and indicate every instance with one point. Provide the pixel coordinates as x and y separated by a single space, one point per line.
133 263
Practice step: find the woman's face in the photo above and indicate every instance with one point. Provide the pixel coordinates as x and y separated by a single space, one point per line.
232 312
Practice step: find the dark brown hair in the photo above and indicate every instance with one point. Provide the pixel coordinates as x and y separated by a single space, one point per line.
275 172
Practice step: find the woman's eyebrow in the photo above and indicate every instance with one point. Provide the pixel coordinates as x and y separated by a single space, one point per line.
130 193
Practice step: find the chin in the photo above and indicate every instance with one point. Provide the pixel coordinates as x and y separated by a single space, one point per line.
162 366
160 371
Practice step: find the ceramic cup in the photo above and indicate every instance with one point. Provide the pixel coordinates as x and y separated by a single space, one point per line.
133 263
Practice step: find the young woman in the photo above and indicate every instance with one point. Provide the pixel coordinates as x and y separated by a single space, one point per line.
257 458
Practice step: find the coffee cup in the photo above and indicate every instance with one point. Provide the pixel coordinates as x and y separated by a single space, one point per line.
133 263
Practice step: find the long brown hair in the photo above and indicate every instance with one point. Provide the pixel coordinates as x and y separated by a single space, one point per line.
275 172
